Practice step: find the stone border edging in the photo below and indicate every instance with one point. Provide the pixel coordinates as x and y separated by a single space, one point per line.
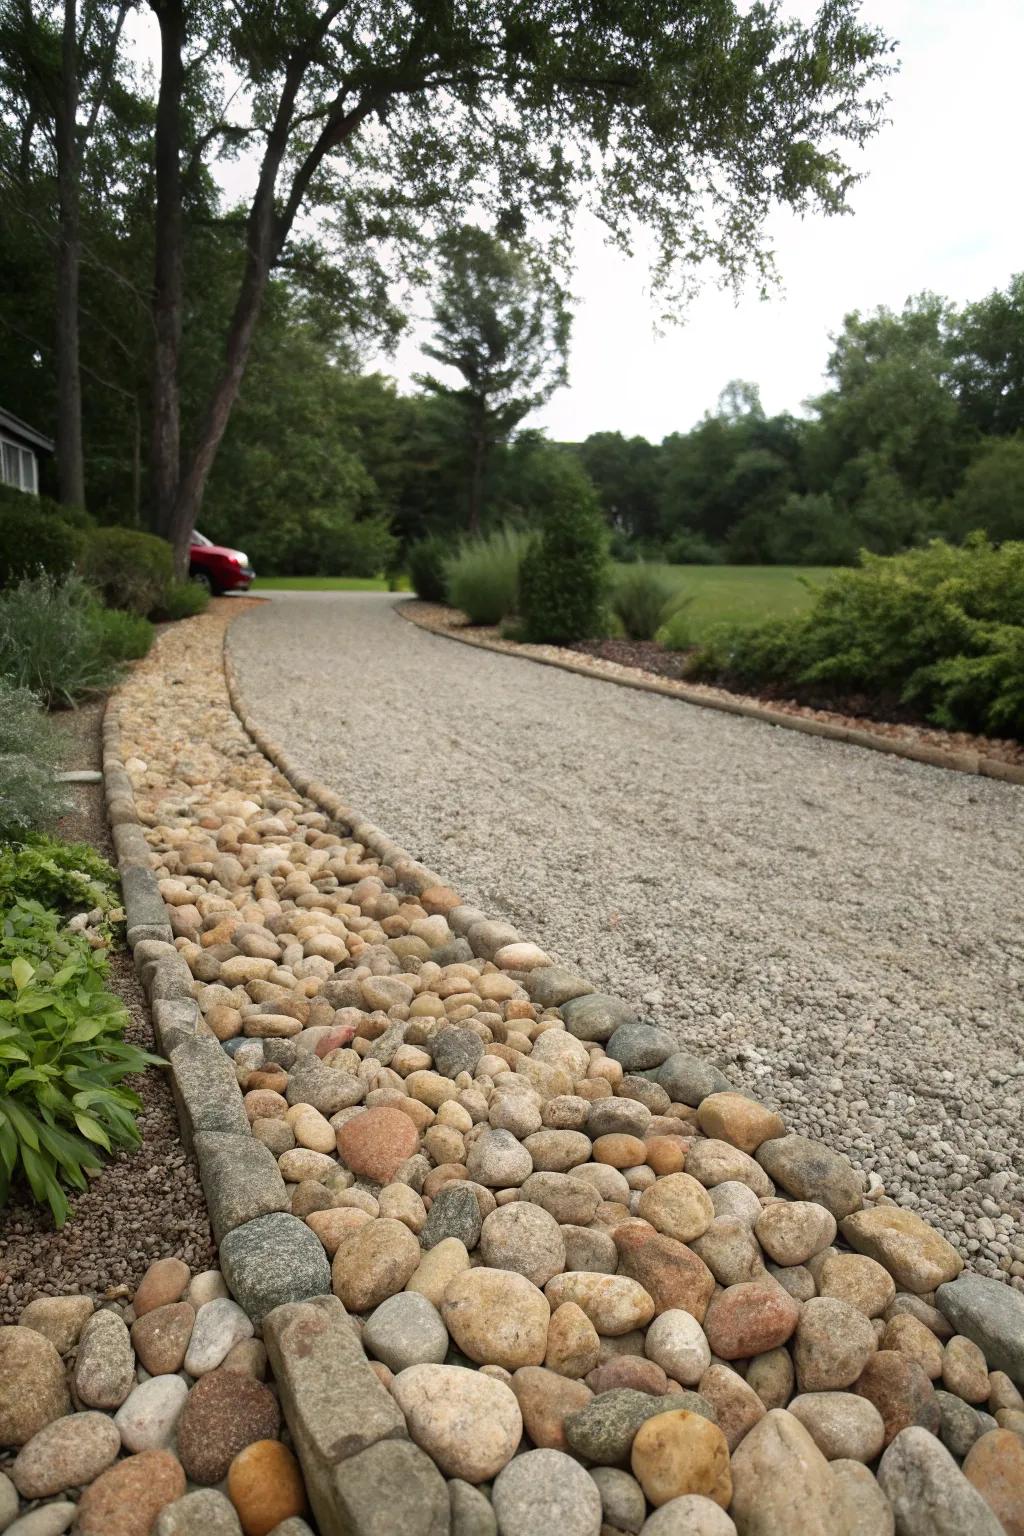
348 1433
936 757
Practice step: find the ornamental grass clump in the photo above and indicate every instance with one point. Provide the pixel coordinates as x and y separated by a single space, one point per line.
643 599
63 1059
482 577
58 641
31 751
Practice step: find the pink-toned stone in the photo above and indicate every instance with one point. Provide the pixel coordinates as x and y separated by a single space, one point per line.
749 1319
376 1143
164 1282
127 1498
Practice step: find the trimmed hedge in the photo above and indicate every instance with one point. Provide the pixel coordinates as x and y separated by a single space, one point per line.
426 561
565 578
34 538
128 569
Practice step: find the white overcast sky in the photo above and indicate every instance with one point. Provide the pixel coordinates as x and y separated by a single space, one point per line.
942 208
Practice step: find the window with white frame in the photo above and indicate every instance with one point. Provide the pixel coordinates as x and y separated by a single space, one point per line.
18 466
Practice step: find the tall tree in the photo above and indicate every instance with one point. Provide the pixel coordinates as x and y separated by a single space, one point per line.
500 322
987 347
401 120
59 62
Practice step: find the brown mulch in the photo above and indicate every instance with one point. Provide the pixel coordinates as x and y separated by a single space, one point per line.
143 1205
627 659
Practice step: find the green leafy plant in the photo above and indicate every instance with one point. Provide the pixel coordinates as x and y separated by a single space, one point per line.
51 641
565 576
31 751
426 562
642 599
63 1059
34 538
62 876
482 577
182 600
128 569
940 628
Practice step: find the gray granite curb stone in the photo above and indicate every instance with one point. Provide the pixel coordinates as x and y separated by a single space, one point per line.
241 1179
268 1257
335 1405
271 1260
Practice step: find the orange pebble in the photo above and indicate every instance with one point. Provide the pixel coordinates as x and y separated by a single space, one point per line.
667 1154
619 1150
265 1486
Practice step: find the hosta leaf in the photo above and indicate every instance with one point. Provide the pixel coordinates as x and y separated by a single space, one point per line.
24 1124
92 1128
22 972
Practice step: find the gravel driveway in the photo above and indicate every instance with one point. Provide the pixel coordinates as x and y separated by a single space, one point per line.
840 930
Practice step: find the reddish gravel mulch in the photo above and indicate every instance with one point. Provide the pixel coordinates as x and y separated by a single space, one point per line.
646 655
143 1205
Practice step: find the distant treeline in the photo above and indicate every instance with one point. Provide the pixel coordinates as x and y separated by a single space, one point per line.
921 433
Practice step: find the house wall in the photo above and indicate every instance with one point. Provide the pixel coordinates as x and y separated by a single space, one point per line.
19 466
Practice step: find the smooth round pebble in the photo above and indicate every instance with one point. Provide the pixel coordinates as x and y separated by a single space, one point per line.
405 1330
546 1490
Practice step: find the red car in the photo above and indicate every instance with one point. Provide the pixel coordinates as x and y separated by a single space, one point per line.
216 568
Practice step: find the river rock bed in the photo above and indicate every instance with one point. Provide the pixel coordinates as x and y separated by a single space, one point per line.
143 1414
606 1289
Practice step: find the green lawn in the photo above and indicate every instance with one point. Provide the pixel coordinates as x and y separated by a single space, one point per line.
745 594
324 584
734 594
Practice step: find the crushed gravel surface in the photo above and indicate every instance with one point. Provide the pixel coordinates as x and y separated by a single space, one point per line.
143 1204
842 932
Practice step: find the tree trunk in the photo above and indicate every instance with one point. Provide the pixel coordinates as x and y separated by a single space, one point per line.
165 447
189 500
477 472
70 460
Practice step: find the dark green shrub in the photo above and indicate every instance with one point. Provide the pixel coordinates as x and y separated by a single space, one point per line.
805 530
940 628
425 562
482 577
689 548
181 600
121 636
992 494
321 541
63 1059
31 751
128 569
51 640
34 538
564 579
643 597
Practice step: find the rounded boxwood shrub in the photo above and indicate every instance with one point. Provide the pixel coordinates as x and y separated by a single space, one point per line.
426 561
565 576
34 538
128 569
